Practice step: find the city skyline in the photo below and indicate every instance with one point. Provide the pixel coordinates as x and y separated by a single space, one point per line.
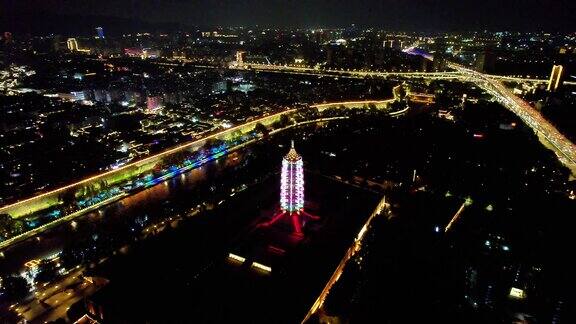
447 15
242 160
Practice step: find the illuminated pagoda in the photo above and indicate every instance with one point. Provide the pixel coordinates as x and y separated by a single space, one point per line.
292 191
292 182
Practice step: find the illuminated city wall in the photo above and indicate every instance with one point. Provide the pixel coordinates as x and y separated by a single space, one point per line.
52 198
139 174
380 104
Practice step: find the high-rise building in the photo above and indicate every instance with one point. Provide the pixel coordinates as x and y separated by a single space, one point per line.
57 43
439 59
486 61
240 56
153 103
7 38
555 78
222 87
100 32
337 55
329 55
439 62
464 100
78 95
319 36
425 64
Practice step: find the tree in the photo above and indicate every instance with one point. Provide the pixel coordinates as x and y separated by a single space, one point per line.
15 287
71 256
397 106
67 197
87 190
284 121
5 225
260 128
18 227
401 93
10 227
47 271
174 159
236 134
212 142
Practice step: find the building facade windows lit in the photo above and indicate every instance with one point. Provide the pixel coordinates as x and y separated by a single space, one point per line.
153 103
517 293
240 56
555 78
100 32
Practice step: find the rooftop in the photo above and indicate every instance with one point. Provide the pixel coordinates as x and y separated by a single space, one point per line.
292 155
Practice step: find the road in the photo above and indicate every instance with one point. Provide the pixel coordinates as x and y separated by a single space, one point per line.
562 146
49 198
350 253
122 194
52 301
565 150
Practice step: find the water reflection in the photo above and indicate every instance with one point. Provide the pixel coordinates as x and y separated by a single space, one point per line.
171 196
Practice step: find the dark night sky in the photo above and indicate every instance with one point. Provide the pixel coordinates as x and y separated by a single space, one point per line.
548 15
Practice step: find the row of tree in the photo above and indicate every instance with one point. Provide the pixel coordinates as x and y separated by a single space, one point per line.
10 227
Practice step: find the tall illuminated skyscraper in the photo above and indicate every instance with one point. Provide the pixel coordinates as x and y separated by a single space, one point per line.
240 56
292 192
292 182
555 78
100 32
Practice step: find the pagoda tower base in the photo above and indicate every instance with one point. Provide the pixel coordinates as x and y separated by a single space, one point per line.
295 218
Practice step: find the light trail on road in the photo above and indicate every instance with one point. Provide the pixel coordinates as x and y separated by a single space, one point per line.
563 147
565 150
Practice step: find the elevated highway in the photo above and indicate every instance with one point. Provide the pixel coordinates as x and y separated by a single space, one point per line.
562 147
361 73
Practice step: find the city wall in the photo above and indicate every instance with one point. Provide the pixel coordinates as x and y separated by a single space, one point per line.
52 198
